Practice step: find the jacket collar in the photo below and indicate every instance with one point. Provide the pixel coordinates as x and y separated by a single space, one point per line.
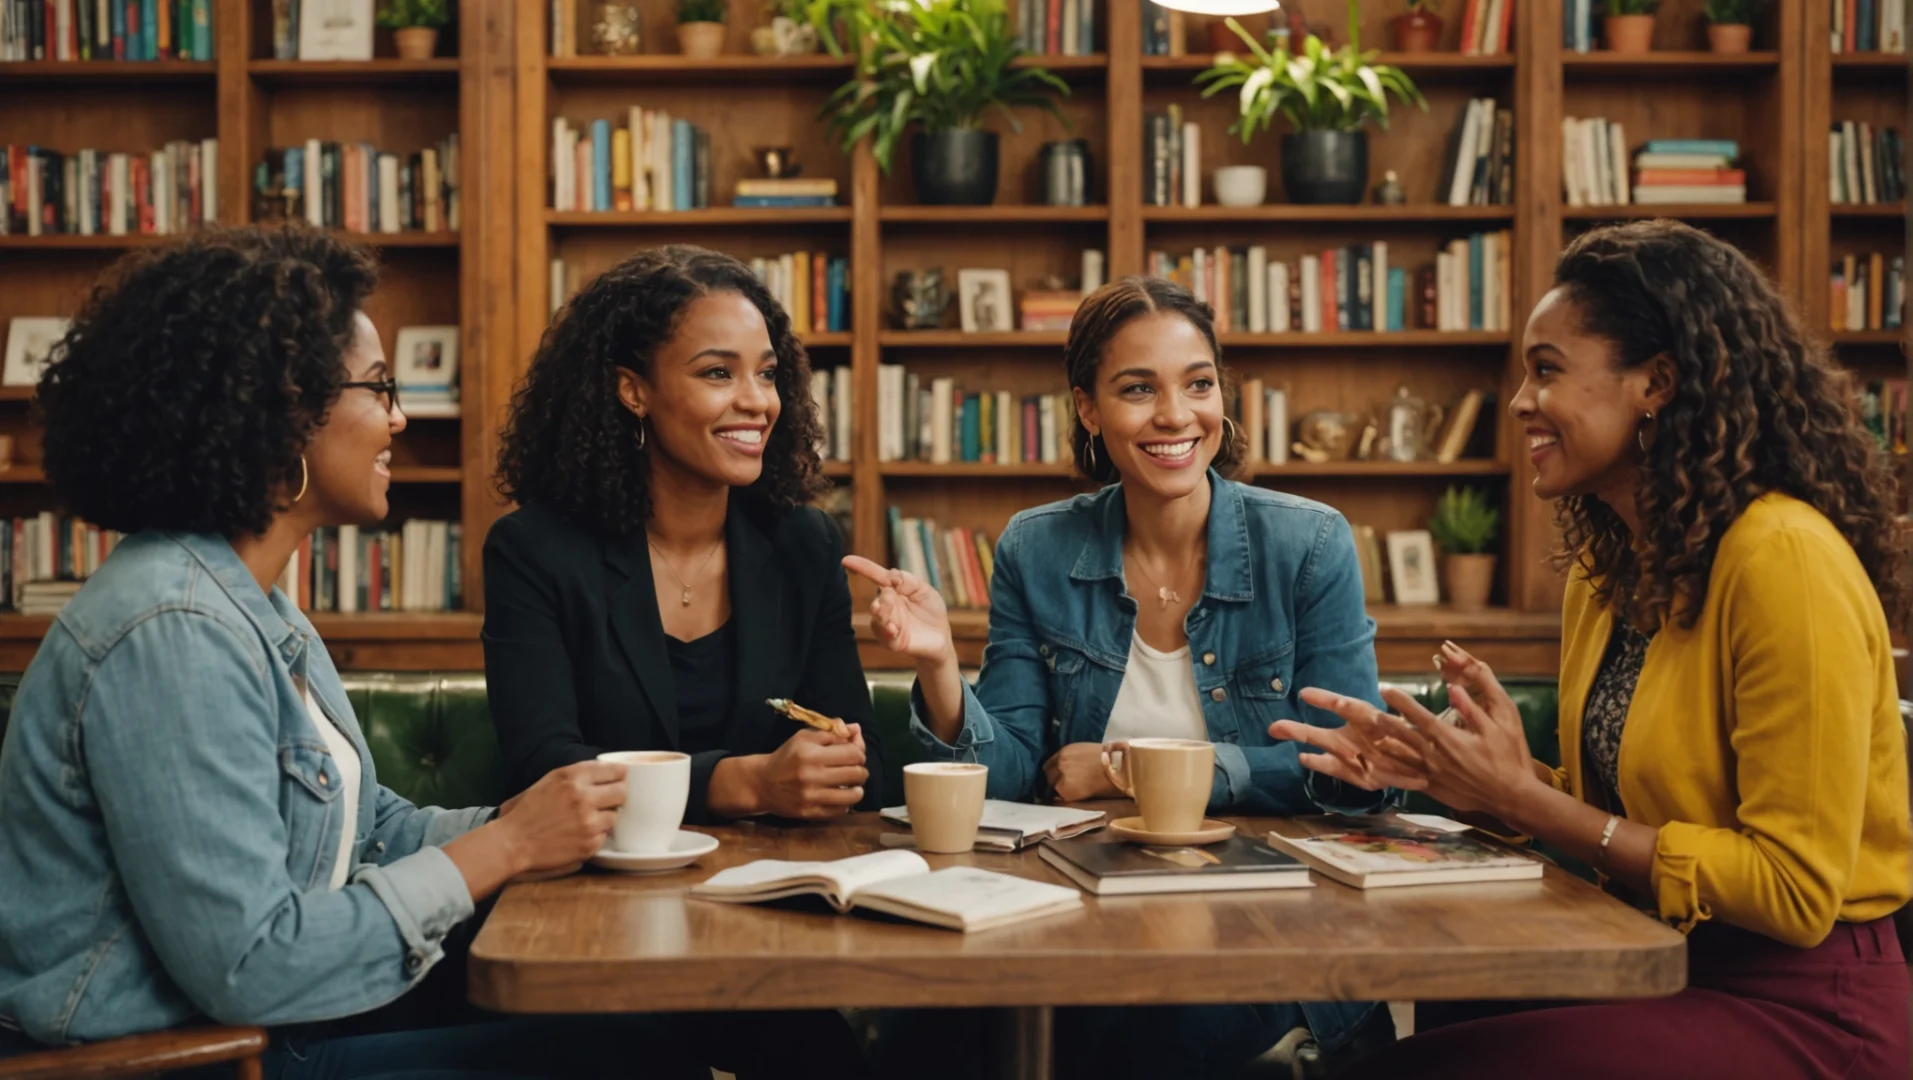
277 619
1228 576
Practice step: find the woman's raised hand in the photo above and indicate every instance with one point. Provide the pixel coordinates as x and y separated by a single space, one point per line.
908 615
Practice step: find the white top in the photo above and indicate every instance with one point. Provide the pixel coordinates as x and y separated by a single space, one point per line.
1158 697
346 760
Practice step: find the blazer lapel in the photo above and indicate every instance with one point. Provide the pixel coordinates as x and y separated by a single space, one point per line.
757 607
633 602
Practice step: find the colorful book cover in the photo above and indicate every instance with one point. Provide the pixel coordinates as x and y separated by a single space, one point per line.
683 191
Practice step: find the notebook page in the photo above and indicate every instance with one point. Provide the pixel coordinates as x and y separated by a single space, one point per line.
838 880
968 898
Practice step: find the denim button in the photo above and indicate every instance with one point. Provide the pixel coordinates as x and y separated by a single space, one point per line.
1043 650
1208 658
1218 694
1275 685
324 780
413 961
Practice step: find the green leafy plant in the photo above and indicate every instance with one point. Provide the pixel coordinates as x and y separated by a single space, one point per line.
943 65
1612 8
831 18
1315 89
406 14
1464 522
1734 12
701 11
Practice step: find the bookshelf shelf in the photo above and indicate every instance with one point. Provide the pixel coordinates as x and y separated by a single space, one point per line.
74 242
827 340
1401 339
968 215
675 68
384 72
695 219
1866 337
1667 64
121 72
411 239
1427 65
837 470
16 393
1064 66
959 339
1380 469
1427 213
425 474
23 474
1752 211
1869 210
972 470
1870 62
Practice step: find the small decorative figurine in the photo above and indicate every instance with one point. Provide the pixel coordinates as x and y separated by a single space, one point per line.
1389 192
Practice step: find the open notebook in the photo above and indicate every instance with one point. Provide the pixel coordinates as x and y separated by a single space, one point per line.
896 883
1013 826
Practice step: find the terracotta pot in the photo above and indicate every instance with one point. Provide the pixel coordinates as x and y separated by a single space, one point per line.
416 42
1629 33
1469 580
1416 31
1730 37
701 40
1223 39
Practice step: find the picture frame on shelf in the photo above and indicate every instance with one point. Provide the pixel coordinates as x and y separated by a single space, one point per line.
30 343
1411 566
335 29
984 301
425 363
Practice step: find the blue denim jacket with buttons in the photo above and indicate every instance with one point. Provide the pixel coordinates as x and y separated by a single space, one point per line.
169 817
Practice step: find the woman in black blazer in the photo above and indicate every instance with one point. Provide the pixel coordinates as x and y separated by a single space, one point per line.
664 575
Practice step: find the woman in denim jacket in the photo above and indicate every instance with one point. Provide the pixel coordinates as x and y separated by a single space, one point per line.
190 822
1172 602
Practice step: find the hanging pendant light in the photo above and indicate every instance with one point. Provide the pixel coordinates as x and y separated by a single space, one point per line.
1221 7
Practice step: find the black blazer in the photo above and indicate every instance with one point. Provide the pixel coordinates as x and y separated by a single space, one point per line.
575 660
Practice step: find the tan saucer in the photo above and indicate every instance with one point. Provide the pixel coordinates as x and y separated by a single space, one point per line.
1131 829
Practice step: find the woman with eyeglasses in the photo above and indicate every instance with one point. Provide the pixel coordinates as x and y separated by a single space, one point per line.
191 825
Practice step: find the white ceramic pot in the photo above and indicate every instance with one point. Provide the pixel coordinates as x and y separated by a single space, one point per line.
1241 185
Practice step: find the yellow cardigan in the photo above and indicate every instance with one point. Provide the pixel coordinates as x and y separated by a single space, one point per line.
1765 743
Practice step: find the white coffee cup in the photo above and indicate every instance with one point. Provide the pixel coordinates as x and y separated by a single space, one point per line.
657 786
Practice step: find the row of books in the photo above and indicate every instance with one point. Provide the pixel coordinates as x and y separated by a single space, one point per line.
1869 292
1883 410
1172 159
830 394
106 30
813 288
1353 288
1056 27
102 193
1868 164
416 567
1868 26
654 162
958 563
1667 171
358 188
1481 157
934 419
1485 26
45 558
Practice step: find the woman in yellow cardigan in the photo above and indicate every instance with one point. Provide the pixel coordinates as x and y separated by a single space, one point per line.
1729 721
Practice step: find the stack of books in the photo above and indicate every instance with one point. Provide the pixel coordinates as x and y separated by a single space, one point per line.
416 567
1354 288
813 288
935 420
1594 162
786 192
1868 26
99 193
654 162
1481 157
355 187
1484 27
1869 292
958 563
106 29
45 558
1263 413
1056 27
1868 165
830 395
1670 171
1048 309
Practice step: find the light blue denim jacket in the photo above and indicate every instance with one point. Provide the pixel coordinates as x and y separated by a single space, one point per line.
169 817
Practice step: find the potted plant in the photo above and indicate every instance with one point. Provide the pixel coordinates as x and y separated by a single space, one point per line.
1730 24
1327 95
1464 528
1418 29
1629 25
936 68
415 25
701 28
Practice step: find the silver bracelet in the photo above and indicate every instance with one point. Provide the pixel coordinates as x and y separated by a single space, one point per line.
1607 833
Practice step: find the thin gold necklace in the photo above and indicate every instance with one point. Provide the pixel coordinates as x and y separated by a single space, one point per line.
1164 594
685 598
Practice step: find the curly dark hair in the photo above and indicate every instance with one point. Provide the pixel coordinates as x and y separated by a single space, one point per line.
1098 319
191 381
570 445
1757 408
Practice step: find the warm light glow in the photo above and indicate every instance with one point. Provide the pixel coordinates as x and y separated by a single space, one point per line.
1222 7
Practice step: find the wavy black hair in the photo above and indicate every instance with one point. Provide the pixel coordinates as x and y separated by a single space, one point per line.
569 443
1757 407
1098 319
192 379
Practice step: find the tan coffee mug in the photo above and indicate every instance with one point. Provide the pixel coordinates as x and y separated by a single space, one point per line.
945 800
1170 779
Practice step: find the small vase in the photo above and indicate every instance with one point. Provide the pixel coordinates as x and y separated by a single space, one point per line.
1629 33
954 168
1470 580
701 40
1241 185
1321 168
1416 31
1734 38
416 42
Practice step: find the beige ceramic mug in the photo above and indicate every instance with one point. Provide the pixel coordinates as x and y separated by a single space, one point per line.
945 800
1170 779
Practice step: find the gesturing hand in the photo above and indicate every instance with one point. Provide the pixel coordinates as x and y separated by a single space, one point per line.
1076 773
908 615
813 775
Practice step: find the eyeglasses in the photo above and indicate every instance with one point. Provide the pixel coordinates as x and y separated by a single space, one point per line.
387 389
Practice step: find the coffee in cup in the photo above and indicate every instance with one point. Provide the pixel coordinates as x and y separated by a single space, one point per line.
1170 779
945 800
657 786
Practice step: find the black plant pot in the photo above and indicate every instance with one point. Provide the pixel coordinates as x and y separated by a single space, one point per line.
954 168
1325 167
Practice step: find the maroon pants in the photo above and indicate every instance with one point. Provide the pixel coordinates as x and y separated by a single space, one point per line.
1752 1008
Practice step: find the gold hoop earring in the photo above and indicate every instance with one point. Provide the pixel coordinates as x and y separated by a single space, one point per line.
640 432
305 478
1231 428
1089 455
1640 431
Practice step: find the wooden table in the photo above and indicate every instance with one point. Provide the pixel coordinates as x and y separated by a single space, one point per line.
597 942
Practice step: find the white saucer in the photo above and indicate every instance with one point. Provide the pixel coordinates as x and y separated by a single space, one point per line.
686 848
